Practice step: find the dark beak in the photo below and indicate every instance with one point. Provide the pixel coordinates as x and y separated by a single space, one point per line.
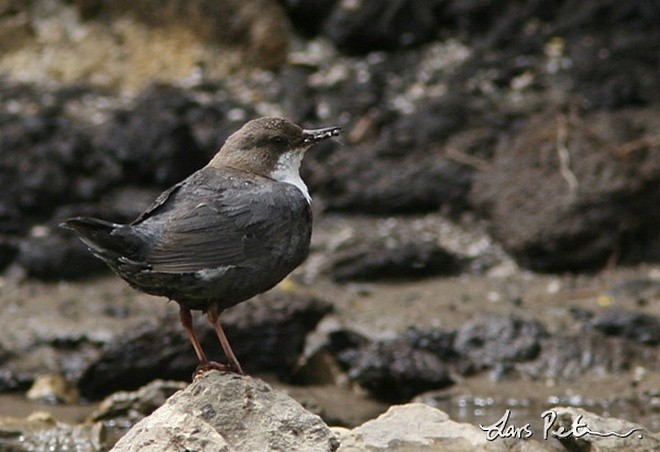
311 136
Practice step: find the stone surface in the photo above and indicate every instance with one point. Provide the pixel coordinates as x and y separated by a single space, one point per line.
127 408
394 370
267 334
496 341
56 255
569 192
630 436
359 176
566 357
363 26
416 427
638 327
229 412
404 260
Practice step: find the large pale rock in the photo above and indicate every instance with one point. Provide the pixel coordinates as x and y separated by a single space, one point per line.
228 412
611 434
419 427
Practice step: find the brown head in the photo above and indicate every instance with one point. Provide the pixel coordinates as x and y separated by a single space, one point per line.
271 147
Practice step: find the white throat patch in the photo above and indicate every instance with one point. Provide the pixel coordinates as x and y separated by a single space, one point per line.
287 170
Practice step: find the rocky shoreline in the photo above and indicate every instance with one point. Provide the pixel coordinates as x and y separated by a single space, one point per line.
225 412
485 231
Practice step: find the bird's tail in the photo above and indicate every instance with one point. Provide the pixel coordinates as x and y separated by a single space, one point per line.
98 235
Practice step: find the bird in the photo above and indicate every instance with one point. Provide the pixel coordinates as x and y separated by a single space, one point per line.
229 231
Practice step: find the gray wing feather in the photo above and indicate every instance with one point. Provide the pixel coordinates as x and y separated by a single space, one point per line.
211 228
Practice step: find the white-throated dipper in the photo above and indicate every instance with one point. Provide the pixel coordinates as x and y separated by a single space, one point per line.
228 232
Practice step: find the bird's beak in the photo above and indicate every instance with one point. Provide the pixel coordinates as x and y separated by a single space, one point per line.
311 136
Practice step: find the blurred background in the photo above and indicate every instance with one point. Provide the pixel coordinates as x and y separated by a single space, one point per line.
486 229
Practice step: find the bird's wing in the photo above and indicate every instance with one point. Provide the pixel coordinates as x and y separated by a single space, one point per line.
159 202
206 227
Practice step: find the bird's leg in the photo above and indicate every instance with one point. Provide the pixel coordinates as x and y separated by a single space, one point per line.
204 364
187 322
213 315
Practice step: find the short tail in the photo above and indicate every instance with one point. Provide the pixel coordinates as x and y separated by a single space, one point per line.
99 235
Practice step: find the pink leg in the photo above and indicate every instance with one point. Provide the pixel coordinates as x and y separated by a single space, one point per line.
212 314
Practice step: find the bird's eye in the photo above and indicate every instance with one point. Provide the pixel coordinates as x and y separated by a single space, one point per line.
279 140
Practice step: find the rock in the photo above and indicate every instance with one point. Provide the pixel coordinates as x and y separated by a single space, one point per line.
8 251
41 432
575 215
56 255
122 410
565 357
161 138
308 16
364 26
405 260
627 436
14 381
395 371
50 388
38 131
635 326
358 176
437 341
496 341
229 412
415 427
267 334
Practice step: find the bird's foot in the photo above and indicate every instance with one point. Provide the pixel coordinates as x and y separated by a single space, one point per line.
214 365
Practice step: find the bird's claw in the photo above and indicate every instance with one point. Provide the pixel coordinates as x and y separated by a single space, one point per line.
208 366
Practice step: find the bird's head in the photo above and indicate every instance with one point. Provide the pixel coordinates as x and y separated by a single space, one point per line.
270 147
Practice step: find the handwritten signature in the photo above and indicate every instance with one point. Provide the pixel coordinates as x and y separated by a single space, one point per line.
502 429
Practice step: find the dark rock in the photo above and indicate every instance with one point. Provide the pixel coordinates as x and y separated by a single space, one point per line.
497 340
406 260
8 251
57 255
604 67
401 169
635 326
134 359
567 357
230 412
44 155
343 339
437 341
12 381
573 216
308 16
167 134
361 27
266 333
395 371
153 141
614 68
121 205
